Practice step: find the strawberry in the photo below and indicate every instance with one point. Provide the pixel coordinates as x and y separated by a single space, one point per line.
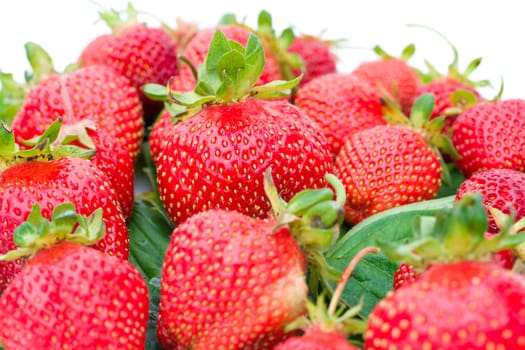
49 176
458 305
91 95
341 104
324 329
255 271
69 295
404 275
460 300
391 75
142 53
196 52
487 136
317 56
218 151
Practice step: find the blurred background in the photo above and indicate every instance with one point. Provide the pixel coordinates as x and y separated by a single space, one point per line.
487 29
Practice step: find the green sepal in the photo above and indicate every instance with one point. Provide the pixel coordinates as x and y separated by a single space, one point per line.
116 21
38 233
155 92
41 63
304 200
277 88
12 96
456 233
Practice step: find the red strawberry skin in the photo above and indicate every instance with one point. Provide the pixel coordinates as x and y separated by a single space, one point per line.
140 53
384 167
404 275
490 135
50 183
230 281
218 157
463 305
317 56
95 94
72 296
502 189
341 104
197 49
393 76
317 339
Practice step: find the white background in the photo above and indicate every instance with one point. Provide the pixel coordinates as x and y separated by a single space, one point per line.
492 30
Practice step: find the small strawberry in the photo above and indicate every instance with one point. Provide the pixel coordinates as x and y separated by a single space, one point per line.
460 300
49 175
404 275
489 135
142 53
391 75
342 105
317 56
69 295
391 165
324 329
216 154
232 281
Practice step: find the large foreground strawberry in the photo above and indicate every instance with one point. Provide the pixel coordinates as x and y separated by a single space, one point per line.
235 282
69 295
49 176
216 155
460 300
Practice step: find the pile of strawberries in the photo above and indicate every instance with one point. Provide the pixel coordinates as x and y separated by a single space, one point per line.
269 171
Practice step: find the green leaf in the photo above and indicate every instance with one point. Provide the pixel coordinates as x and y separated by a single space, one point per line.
149 234
156 92
40 61
373 276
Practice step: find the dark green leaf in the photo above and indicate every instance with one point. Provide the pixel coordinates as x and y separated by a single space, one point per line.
149 234
373 276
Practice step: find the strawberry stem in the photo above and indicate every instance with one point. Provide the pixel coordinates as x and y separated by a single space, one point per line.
346 275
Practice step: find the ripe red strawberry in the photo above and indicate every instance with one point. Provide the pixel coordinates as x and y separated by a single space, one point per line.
197 49
49 177
217 155
460 305
404 275
341 104
225 270
92 95
69 295
142 53
317 56
384 167
391 75
459 300
488 136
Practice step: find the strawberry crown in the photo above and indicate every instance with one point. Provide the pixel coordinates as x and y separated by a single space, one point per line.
453 68
228 75
37 233
454 234
44 147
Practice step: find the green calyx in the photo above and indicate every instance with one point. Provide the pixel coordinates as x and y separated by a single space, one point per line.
38 233
455 234
116 21
13 93
228 75
44 147
313 216
453 68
